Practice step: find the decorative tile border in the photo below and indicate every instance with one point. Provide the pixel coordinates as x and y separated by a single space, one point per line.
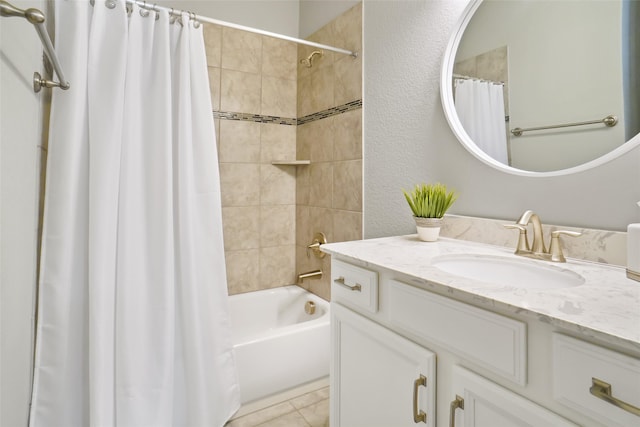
353 105
258 118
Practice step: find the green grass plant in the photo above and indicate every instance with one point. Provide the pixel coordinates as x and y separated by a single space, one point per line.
430 200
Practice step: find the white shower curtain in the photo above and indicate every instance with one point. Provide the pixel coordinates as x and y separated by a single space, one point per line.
480 107
133 324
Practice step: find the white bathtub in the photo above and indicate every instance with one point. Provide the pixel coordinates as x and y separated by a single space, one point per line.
278 346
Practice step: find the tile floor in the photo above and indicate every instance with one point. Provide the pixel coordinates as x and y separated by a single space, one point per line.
307 410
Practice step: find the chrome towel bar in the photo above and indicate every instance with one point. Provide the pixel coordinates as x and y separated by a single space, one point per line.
36 17
608 121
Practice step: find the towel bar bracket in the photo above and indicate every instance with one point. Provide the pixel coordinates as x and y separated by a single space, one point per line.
36 17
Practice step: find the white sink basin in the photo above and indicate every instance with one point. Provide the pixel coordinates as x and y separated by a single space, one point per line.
511 272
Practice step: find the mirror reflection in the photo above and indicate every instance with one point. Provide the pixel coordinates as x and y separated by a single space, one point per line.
554 69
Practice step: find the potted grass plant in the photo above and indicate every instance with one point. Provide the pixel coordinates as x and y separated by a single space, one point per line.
429 203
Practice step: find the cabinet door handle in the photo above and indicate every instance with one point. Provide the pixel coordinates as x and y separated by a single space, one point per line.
602 390
340 281
457 403
418 415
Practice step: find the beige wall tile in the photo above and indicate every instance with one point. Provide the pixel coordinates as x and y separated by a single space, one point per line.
303 179
304 235
239 141
347 128
322 88
213 43
347 192
324 35
321 220
347 29
241 51
277 142
302 142
240 184
304 264
243 271
214 87
277 266
322 287
319 135
240 92
269 249
347 225
320 184
277 225
347 80
278 97
279 58
277 185
241 227
304 96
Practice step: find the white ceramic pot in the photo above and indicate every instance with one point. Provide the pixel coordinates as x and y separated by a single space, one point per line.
428 228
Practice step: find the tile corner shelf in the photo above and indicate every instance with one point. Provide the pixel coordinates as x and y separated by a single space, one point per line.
291 162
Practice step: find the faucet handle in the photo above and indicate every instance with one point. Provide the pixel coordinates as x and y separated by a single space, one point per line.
318 239
555 248
523 242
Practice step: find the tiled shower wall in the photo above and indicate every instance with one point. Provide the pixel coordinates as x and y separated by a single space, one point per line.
329 190
259 94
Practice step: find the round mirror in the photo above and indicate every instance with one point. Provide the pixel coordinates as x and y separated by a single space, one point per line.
544 88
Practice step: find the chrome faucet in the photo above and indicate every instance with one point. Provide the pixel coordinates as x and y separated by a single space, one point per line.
538 249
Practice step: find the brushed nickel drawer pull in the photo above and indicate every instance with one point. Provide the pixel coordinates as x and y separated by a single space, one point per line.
457 403
418 415
340 281
602 390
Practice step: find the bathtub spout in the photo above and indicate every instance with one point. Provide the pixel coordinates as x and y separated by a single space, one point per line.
315 274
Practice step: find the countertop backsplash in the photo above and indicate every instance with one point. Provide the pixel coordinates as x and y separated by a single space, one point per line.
608 247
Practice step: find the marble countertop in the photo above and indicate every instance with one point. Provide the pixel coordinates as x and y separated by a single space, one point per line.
605 307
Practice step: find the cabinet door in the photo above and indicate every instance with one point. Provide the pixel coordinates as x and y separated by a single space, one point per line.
376 375
487 404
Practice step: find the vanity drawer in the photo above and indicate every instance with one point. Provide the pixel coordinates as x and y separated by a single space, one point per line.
494 342
575 366
354 286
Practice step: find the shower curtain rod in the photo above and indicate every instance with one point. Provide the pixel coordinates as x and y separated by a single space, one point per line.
201 18
463 77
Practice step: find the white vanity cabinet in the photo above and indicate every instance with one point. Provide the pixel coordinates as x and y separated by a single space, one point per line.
485 404
378 378
385 340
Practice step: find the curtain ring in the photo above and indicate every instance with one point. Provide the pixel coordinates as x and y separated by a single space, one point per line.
111 4
144 12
